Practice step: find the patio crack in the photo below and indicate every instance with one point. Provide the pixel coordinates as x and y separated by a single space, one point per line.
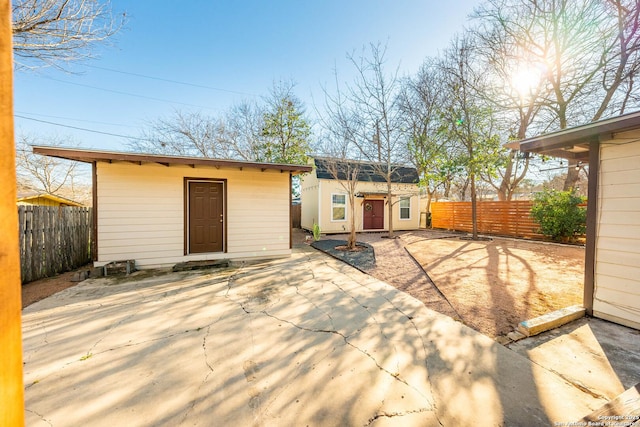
42 418
192 404
395 375
398 414
115 326
431 402
573 383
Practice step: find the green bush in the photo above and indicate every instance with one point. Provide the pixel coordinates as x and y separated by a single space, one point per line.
316 232
559 215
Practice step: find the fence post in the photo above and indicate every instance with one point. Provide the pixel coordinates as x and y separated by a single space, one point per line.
53 240
11 382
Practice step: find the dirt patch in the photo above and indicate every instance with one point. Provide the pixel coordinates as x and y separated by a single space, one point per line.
494 285
491 286
396 267
43 288
357 248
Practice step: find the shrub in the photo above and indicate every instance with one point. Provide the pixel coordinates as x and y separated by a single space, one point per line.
316 232
559 215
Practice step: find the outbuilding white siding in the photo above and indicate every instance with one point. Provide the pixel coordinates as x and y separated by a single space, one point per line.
141 213
309 191
316 197
330 187
617 267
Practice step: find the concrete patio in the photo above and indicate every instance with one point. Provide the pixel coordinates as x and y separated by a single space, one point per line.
306 340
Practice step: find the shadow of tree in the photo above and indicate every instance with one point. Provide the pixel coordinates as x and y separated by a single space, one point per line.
300 341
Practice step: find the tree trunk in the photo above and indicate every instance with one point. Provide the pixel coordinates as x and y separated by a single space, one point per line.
428 208
573 176
390 207
474 211
351 241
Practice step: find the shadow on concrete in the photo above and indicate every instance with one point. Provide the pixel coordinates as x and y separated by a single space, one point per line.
595 354
298 341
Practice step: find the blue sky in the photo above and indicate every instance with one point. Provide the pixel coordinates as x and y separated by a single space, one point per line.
235 49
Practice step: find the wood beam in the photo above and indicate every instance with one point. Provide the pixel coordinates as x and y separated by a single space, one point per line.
592 227
94 196
11 385
290 215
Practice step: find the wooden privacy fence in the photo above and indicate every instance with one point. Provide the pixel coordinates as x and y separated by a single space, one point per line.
53 240
509 218
296 215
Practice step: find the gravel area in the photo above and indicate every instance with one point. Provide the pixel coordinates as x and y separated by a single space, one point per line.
394 265
489 285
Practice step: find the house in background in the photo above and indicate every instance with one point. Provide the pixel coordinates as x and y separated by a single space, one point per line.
326 202
611 147
163 210
45 199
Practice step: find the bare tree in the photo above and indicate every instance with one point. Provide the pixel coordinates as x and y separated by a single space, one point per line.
53 32
376 125
339 160
274 131
468 120
241 130
515 88
183 134
347 173
588 53
47 174
420 102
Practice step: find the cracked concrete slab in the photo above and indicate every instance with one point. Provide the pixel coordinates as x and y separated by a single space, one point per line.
299 341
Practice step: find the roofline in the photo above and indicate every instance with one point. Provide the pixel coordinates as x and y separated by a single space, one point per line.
58 199
90 156
595 131
361 162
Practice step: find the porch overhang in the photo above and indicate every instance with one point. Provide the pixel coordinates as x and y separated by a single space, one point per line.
575 143
372 194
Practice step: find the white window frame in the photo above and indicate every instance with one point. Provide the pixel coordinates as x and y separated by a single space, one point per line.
339 205
400 209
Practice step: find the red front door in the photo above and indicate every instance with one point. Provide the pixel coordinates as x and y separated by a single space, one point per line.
373 215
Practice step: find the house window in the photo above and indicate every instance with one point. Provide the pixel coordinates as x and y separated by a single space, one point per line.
405 208
338 207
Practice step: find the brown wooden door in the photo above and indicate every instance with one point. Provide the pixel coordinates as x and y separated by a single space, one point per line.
373 215
206 217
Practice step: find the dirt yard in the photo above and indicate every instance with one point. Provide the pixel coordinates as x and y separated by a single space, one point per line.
40 289
494 285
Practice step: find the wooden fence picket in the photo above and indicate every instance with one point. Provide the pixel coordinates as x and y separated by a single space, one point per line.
509 218
53 240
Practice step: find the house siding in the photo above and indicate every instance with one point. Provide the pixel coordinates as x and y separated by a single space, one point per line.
330 187
617 267
141 213
309 191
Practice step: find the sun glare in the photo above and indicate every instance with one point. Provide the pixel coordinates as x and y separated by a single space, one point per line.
525 79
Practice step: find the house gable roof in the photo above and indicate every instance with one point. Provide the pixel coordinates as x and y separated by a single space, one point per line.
327 168
34 195
574 143
90 156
